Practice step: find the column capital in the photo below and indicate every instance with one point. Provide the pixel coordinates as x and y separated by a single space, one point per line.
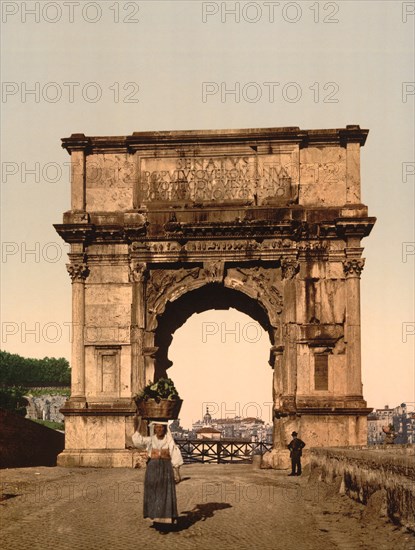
353 267
138 271
78 271
289 267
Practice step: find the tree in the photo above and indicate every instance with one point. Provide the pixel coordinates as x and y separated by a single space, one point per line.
12 399
21 371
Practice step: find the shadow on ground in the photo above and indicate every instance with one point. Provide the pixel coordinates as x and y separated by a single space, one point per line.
200 512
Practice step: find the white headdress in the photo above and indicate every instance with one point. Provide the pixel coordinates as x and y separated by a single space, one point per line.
164 423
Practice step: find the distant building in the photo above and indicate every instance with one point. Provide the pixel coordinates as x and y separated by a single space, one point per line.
404 424
237 428
208 433
376 420
399 418
177 431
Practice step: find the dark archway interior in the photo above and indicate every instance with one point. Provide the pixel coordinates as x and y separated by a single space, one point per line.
210 296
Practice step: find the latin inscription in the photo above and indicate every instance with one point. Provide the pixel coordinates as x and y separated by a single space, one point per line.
202 179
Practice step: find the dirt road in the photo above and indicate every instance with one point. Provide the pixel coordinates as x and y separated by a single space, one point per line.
221 506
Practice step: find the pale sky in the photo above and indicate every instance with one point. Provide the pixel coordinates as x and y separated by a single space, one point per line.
143 66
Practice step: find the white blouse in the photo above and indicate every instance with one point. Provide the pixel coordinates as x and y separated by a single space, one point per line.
153 442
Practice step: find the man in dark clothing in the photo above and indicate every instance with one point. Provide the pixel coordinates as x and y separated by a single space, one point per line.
296 450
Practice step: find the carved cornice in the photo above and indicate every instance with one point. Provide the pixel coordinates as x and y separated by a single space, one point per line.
353 134
201 251
288 228
316 250
209 246
251 136
113 407
77 142
136 231
237 228
180 232
138 247
304 230
354 227
90 233
75 232
353 267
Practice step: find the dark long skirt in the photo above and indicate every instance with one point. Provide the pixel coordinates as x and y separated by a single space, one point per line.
160 490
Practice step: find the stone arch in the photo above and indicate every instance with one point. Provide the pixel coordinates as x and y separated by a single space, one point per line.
203 298
249 227
263 284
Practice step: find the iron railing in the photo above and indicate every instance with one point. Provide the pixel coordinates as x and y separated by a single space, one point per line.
222 451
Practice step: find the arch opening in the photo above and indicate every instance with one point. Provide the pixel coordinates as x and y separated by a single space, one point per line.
212 296
220 364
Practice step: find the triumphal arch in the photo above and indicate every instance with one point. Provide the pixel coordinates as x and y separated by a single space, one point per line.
166 224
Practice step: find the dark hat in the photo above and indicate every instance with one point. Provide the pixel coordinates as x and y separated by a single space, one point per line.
294 434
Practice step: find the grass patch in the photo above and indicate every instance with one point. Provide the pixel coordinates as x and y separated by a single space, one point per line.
50 424
38 392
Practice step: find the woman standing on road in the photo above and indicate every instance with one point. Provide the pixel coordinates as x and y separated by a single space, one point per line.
160 503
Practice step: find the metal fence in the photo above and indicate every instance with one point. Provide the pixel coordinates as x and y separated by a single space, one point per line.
222 451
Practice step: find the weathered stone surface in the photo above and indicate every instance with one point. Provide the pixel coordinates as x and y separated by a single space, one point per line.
45 407
107 315
109 182
278 459
98 432
166 224
381 478
323 176
376 505
102 458
111 294
105 273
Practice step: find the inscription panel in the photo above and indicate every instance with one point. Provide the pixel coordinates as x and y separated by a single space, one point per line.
261 179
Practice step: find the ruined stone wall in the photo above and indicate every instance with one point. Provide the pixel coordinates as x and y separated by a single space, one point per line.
45 407
382 477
